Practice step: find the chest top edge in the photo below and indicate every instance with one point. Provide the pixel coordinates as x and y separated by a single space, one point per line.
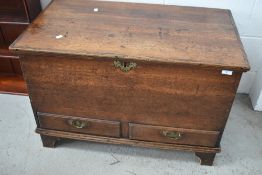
51 55
162 33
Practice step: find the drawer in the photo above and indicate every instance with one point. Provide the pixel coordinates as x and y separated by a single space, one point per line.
172 135
79 125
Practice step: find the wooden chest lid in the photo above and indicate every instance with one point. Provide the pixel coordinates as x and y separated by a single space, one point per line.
171 34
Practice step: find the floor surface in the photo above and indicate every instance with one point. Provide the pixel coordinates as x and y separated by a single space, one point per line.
22 152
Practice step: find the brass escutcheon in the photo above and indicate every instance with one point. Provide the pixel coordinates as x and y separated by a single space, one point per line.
123 66
172 134
78 123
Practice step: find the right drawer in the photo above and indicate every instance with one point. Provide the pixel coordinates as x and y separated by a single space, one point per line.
79 125
172 135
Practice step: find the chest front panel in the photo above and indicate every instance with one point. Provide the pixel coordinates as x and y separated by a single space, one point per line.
151 93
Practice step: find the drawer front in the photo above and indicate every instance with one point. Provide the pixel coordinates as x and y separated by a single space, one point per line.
79 125
172 135
151 93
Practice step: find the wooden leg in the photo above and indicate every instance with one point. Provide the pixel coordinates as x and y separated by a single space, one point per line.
206 158
48 141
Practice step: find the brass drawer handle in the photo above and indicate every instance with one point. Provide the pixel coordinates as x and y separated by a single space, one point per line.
172 134
124 66
78 124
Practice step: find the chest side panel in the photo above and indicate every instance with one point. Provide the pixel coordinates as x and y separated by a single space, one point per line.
156 94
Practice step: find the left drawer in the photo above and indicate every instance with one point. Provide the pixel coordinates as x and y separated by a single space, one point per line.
79 124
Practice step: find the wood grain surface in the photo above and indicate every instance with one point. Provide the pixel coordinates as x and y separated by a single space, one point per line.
176 83
157 94
187 136
147 32
93 126
123 141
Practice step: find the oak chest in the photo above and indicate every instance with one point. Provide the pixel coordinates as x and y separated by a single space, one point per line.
137 74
